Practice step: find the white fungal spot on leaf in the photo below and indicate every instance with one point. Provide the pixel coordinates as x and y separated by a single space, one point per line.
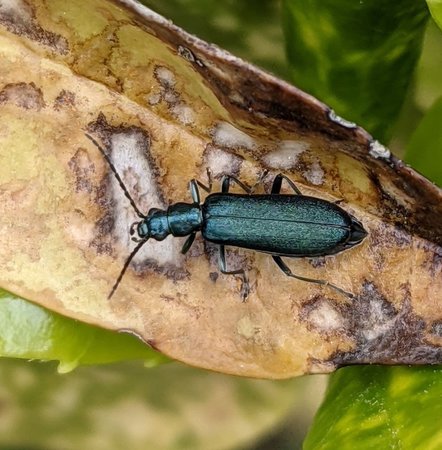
315 174
129 155
286 155
171 97
378 322
17 8
221 162
340 120
177 107
377 150
325 317
226 135
165 76
183 113
246 328
154 98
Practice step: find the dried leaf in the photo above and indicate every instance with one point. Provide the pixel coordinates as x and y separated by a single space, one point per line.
167 106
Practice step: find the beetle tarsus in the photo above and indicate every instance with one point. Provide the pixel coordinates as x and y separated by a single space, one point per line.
188 243
245 286
287 271
277 184
225 184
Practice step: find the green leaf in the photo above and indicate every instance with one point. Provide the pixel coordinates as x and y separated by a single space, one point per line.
377 408
424 152
123 406
435 7
358 57
32 332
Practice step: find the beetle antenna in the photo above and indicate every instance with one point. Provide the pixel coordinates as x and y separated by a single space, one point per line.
126 265
117 176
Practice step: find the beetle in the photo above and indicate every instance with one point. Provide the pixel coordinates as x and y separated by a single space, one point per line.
283 225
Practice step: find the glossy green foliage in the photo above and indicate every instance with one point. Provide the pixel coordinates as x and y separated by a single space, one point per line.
424 152
380 408
32 332
358 57
436 11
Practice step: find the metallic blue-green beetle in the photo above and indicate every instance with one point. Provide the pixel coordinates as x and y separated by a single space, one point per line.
282 225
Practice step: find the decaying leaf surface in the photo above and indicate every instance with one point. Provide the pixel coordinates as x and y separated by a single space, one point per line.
167 107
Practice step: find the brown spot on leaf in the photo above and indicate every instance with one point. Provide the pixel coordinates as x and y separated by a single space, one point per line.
18 17
23 95
171 271
187 54
433 263
197 248
385 335
171 95
65 99
436 328
105 130
320 261
83 168
389 236
397 213
102 240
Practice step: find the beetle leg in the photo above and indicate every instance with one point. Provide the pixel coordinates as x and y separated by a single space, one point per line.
188 243
194 191
208 189
277 182
193 186
225 184
283 266
260 180
245 288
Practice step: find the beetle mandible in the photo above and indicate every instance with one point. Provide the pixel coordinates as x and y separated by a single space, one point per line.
290 225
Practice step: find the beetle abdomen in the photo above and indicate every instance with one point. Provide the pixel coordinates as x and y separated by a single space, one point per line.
291 225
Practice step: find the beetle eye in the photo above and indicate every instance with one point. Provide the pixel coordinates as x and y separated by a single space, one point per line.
133 228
